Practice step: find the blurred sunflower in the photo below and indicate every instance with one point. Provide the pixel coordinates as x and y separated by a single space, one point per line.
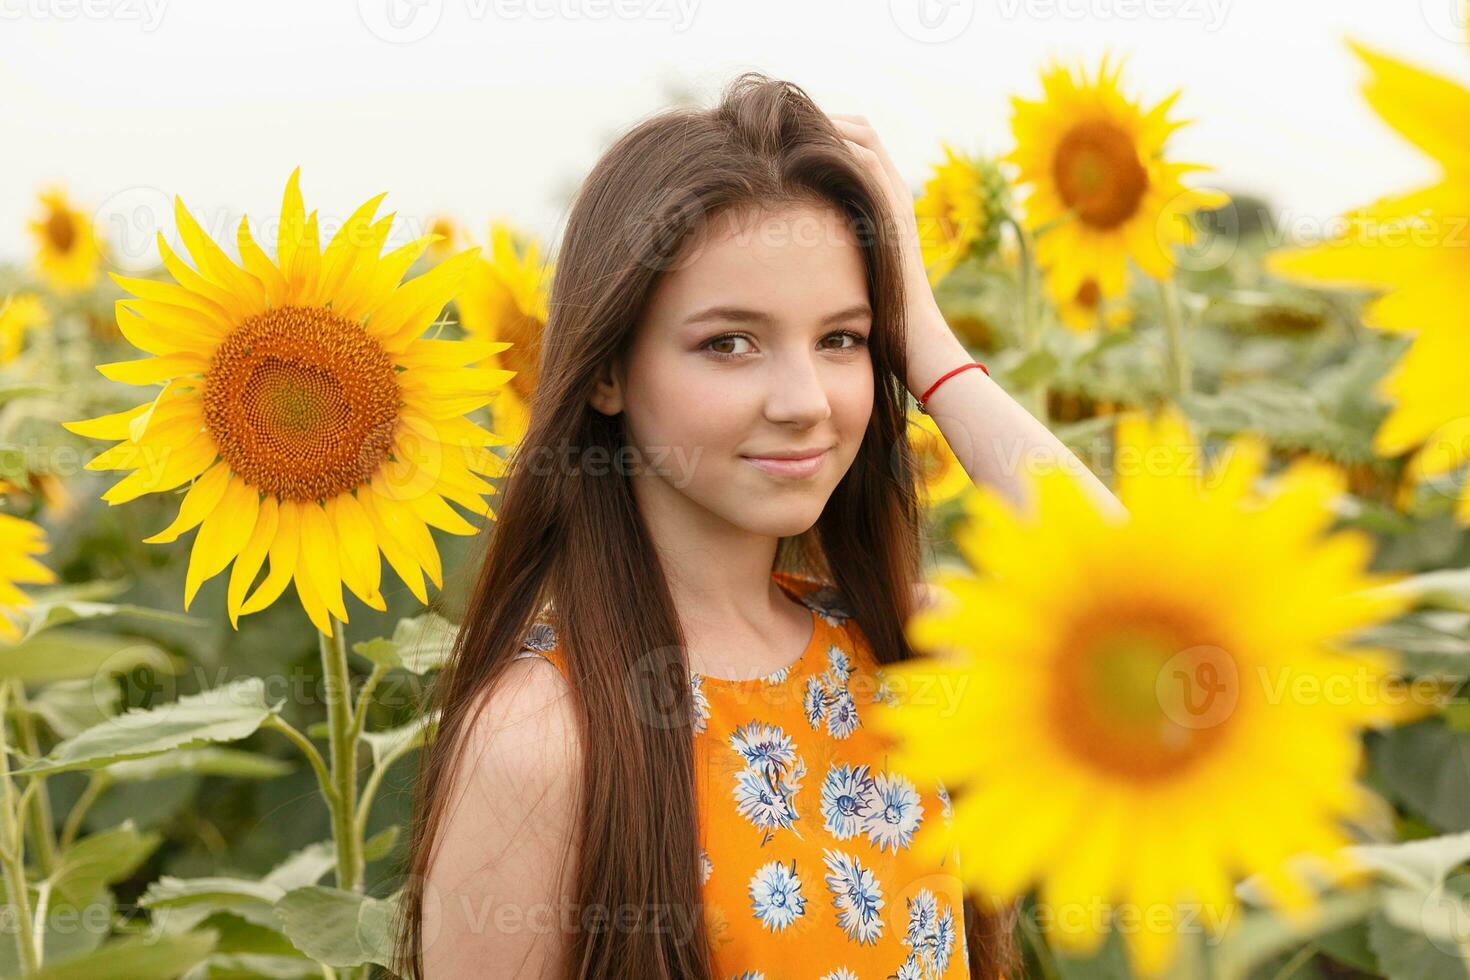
960 211
504 301
20 542
942 476
1125 689
1099 184
1413 246
67 253
451 240
19 315
316 422
1087 309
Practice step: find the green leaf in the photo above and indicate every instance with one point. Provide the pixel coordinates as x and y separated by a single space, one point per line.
338 928
1259 935
1447 588
68 707
419 644
1349 946
62 654
392 744
205 760
1426 767
1429 642
380 845
251 900
1408 955
1035 368
304 867
101 859
47 615
152 956
70 931
223 714
1421 865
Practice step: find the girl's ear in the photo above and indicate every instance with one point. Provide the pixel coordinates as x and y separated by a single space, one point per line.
607 394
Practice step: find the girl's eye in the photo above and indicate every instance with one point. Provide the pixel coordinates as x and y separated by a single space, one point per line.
728 338
858 340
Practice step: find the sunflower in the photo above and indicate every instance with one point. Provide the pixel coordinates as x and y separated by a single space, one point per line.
312 419
1412 245
504 300
940 471
1127 693
960 212
1099 185
19 315
451 237
67 254
1087 310
20 541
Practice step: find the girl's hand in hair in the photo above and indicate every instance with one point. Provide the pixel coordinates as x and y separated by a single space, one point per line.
864 143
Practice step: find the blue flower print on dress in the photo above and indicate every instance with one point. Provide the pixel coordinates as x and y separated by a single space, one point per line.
895 812
856 896
765 806
764 747
841 973
814 702
909 970
929 936
839 666
826 696
699 702
842 716
775 895
846 797
765 788
749 975
777 676
706 866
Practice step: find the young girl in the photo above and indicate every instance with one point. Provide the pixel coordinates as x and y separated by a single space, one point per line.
651 760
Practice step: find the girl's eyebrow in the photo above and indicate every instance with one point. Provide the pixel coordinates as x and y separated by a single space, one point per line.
739 314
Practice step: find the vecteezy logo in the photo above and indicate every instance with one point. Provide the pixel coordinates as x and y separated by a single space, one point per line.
400 21
1449 19
1199 687
932 21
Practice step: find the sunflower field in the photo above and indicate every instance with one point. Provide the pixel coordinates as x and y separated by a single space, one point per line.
241 494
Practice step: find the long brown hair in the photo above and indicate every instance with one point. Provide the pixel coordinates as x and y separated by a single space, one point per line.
578 540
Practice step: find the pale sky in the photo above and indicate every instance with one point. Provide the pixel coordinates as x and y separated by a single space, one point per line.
495 108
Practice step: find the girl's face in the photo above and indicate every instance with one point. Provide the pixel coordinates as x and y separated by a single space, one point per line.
755 344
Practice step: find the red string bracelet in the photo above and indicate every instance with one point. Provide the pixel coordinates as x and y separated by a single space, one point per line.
945 377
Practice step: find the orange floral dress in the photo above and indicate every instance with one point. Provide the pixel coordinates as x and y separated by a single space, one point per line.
807 835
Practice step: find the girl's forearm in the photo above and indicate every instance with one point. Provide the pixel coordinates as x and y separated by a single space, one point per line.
994 438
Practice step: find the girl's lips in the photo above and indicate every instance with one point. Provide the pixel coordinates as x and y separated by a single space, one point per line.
797 468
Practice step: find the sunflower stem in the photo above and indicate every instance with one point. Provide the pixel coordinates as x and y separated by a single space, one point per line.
1033 397
1179 367
41 824
343 752
318 765
97 781
12 849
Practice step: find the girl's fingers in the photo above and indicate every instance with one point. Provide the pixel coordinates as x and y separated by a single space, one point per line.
868 140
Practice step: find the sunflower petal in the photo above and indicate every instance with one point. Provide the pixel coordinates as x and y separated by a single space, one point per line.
252 557
285 546
201 500
222 536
